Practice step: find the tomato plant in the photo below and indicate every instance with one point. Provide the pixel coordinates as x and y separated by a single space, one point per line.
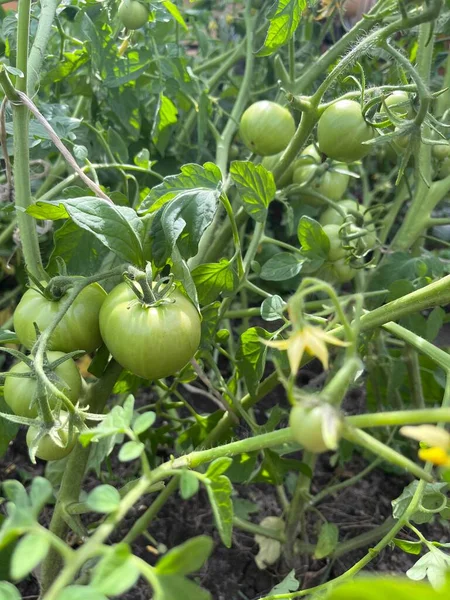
202 197
266 128
151 341
19 392
77 330
342 131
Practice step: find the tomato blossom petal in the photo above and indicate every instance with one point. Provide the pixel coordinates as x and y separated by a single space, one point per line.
429 434
435 455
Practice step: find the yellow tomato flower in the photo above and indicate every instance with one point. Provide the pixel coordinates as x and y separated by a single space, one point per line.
437 438
306 339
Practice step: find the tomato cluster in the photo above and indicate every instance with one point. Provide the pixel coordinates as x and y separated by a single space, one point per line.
151 340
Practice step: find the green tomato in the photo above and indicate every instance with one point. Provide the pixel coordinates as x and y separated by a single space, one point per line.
342 272
77 330
150 341
133 14
306 425
330 184
342 130
441 152
48 449
330 216
337 250
398 103
444 170
19 391
269 163
266 128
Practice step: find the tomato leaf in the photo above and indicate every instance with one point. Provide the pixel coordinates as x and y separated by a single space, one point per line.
213 279
131 451
166 115
116 227
313 239
408 546
251 356
219 492
173 10
186 558
218 467
103 499
327 542
374 588
281 267
289 584
80 592
29 552
283 22
9 592
272 308
174 587
116 572
185 206
256 187
189 484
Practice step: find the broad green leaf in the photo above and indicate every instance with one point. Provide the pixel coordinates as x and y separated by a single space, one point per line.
243 508
81 251
376 587
251 356
192 179
116 572
327 542
189 484
313 239
80 592
218 467
433 497
283 24
117 146
8 430
256 187
131 451
213 279
103 499
186 558
183 274
175 587
242 467
187 204
8 591
272 308
116 227
281 267
40 493
166 114
143 422
29 552
173 10
210 319
402 265
219 492
408 546
289 584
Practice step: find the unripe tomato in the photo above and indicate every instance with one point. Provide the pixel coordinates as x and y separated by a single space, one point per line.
150 341
269 163
19 391
444 170
342 271
266 128
441 152
337 250
48 449
330 216
306 425
398 103
133 14
77 330
330 184
342 130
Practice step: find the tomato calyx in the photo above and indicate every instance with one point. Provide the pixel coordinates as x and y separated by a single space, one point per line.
148 292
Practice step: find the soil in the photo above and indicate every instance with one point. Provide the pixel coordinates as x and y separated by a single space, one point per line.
232 574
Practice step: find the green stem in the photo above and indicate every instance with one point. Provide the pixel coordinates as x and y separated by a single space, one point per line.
415 381
38 49
6 234
144 521
363 439
258 530
26 223
400 417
